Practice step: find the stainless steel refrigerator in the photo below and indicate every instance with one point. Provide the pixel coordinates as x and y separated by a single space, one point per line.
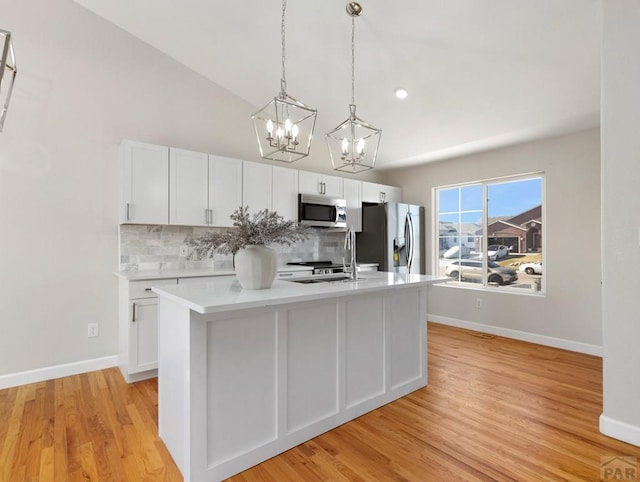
392 236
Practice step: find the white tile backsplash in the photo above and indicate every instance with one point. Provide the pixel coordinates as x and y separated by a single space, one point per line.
145 247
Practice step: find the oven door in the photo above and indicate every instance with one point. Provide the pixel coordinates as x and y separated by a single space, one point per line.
321 211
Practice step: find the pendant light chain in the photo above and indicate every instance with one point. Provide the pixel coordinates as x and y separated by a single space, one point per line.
353 60
282 33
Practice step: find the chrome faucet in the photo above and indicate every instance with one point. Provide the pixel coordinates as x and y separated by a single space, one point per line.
350 244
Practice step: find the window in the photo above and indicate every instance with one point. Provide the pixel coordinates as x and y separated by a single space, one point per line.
490 233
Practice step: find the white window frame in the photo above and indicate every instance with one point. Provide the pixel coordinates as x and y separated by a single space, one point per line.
435 230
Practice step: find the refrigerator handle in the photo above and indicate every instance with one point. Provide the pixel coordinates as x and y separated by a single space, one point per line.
407 241
413 239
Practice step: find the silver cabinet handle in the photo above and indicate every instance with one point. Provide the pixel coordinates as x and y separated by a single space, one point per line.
128 211
210 216
282 275
133 318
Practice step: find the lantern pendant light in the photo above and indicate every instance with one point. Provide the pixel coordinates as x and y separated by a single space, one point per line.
8 73
284 127
353 145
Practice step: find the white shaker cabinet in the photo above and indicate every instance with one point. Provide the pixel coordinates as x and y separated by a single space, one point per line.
144 183
353 196
203 189
225 189
380 193
138 329
285 192
314 183
257 186
188 187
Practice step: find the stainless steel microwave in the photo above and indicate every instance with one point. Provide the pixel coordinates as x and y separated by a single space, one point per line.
322 211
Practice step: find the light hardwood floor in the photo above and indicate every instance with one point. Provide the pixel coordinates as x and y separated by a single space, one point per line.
494 409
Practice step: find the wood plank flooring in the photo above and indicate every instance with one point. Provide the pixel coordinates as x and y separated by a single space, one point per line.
494 409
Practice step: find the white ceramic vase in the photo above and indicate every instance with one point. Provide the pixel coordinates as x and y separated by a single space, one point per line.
256 266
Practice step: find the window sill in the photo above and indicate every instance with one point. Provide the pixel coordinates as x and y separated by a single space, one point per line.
511 290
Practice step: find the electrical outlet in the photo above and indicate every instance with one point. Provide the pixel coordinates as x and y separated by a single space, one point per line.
184 250
93 329
478 303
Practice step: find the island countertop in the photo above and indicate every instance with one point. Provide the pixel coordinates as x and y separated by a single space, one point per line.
225 293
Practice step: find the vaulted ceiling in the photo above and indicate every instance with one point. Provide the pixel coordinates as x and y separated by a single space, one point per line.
480 73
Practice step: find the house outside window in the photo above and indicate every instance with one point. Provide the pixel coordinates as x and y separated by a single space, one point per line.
490 233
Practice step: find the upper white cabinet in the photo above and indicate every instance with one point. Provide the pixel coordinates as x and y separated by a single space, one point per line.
204 189
144 183
285 192
353 196
257 186
188 187
270 187
314 183
380 193
225 189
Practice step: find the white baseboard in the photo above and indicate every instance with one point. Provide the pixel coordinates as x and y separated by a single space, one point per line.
520 335
56 371
620 430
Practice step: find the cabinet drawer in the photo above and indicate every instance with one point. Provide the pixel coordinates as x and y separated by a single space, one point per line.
142 289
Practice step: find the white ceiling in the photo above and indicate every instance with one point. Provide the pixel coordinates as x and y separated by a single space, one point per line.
480 73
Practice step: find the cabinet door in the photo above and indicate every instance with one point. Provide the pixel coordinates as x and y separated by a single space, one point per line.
393 194
333 186
256 186
285 192
225 189
371 192
353 196
144 183
143 335
188 187
309 183
313 183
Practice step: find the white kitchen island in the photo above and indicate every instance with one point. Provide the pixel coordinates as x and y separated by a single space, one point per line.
247 374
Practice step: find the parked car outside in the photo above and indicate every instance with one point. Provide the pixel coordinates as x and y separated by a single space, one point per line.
497 251
531 268
457 252
470 269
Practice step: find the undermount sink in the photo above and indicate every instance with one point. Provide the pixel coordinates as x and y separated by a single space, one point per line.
324 280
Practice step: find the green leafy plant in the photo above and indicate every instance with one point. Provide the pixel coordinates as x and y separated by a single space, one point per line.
264 227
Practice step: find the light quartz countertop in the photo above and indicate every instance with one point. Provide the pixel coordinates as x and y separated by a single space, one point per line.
225 293
135 275
189 273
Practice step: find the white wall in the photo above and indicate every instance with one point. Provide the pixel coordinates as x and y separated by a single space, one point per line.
83 85
570 310
621 219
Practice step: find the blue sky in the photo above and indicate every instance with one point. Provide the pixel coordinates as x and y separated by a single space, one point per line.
505 199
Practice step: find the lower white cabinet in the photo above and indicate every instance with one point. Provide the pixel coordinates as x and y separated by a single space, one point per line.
138 328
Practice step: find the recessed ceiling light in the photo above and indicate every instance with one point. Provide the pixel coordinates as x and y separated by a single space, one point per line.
401 93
